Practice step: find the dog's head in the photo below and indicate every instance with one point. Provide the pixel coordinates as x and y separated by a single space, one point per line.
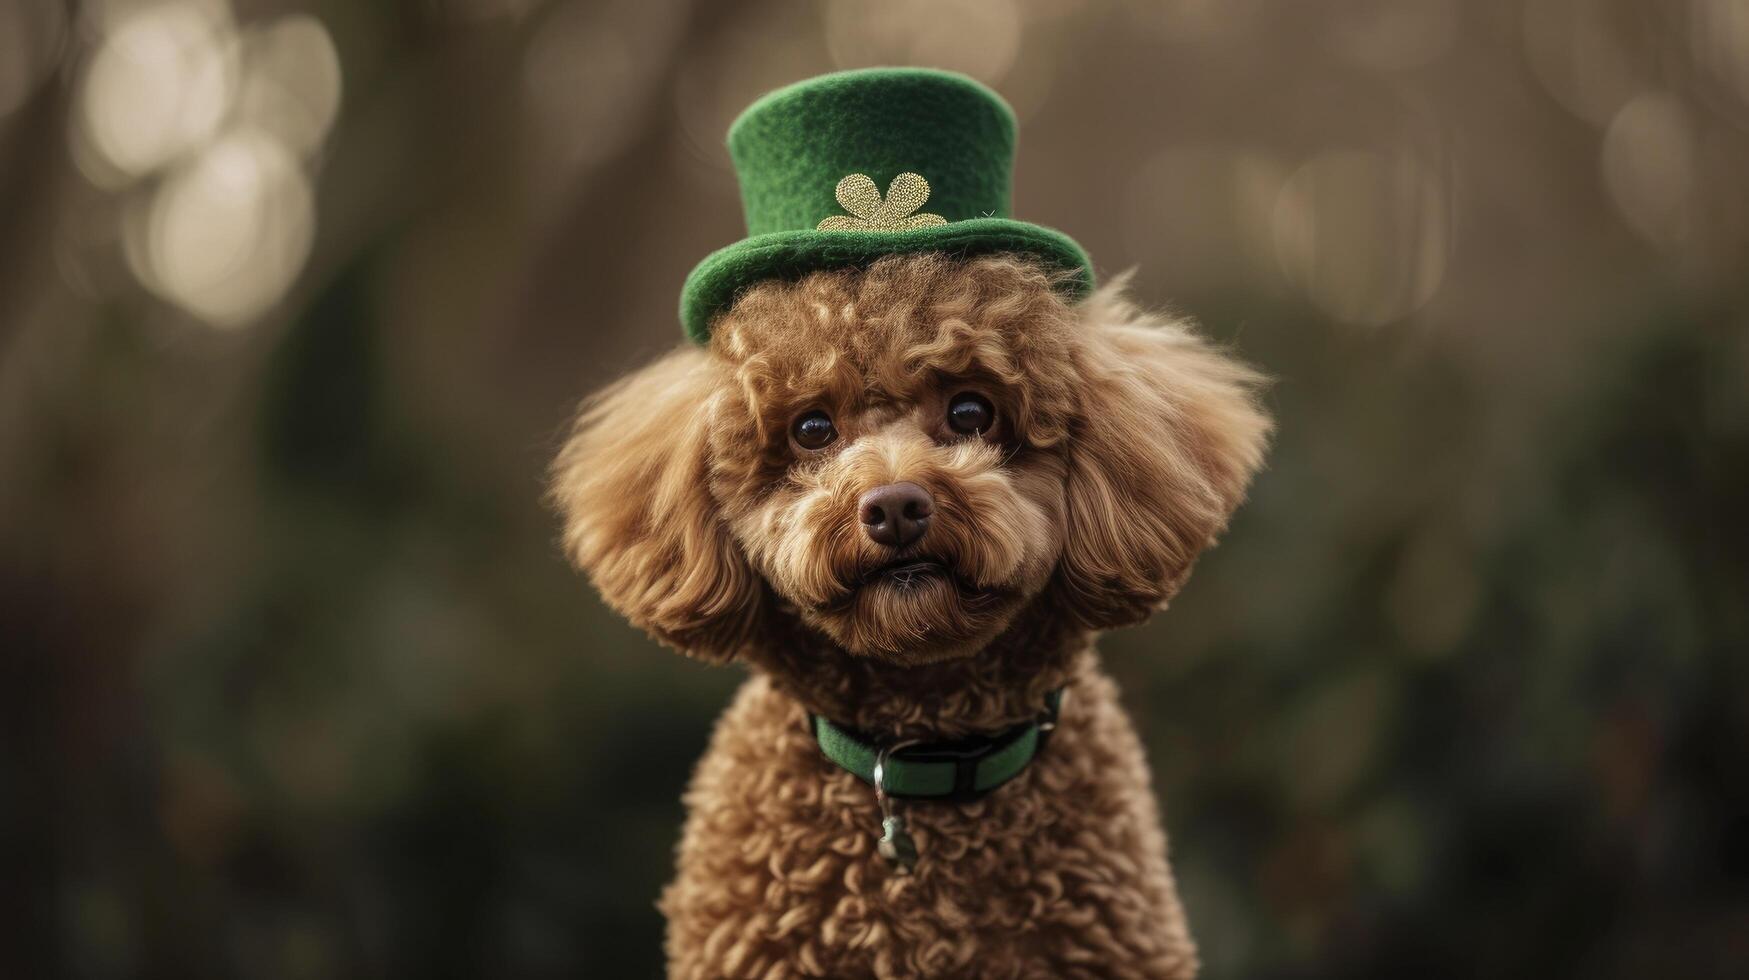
902 457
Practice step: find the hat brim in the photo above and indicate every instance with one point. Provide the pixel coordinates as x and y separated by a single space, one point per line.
718 281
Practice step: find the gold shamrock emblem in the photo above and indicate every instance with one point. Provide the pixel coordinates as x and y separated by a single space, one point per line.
858 194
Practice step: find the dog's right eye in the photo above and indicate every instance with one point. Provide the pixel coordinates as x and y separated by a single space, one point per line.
814 431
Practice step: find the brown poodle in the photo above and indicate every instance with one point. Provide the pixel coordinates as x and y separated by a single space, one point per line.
906 496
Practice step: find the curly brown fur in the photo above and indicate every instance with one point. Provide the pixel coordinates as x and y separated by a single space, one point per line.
1122 443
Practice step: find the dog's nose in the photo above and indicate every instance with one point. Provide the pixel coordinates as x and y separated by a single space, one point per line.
897 514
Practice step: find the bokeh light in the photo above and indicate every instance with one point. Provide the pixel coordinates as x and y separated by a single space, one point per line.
1366 234
587 72
1649 167
1393 35
227 120
1585 54
1199 215
978 37
291 82
1718 33
229 230
1195 21
160 84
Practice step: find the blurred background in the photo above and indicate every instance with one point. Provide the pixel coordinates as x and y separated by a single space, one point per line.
296 297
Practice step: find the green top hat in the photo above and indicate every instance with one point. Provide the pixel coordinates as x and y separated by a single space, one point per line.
813 157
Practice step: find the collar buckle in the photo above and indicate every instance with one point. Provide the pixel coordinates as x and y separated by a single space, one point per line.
956 771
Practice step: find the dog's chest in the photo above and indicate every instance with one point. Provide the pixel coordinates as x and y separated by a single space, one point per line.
779 862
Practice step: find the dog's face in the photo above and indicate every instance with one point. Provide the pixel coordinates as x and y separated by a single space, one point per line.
903 457
890 455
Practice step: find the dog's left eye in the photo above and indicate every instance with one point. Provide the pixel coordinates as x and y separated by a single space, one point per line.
970 413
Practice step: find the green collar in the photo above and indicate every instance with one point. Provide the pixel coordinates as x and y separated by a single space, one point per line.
959 770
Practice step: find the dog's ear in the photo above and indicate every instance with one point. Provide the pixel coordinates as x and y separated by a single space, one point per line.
633 487
1167 436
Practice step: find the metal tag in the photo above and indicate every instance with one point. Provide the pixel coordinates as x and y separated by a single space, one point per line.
896 843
